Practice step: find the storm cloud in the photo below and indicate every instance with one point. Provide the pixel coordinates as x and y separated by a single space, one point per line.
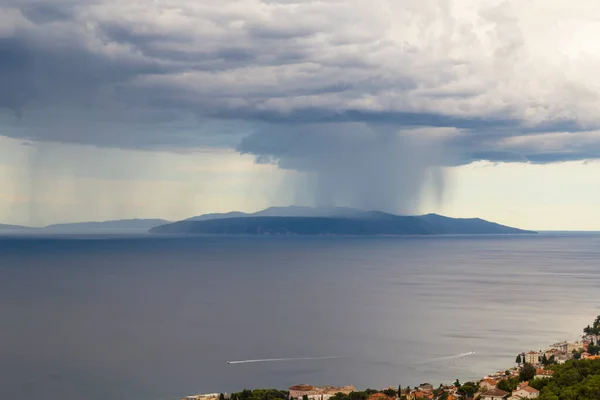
346 89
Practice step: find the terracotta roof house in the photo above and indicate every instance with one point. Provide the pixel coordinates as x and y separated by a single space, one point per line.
488 384
543 373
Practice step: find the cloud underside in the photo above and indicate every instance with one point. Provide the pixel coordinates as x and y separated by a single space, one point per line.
298 83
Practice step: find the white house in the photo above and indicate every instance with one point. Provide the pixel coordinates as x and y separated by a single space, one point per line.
209 396
494 394
532 357
526 392
561 346
574 346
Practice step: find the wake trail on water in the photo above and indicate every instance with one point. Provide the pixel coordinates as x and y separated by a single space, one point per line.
452 357
281 359
434 364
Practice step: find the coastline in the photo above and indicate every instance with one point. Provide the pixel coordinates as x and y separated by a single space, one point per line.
533 365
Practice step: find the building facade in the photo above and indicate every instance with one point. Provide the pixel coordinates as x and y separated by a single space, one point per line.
532 357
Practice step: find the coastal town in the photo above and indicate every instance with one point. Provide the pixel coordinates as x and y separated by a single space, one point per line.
523 381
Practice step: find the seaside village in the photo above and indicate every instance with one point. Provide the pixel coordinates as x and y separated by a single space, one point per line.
510 384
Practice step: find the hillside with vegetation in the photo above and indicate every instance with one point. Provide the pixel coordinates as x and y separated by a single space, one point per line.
574 380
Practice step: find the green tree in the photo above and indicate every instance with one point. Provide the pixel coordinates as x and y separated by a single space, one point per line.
538 383
221 396
358 396
518 359
527 372
508 385
245 394
594 329
468 389
339 396
390 392
304 397
544 360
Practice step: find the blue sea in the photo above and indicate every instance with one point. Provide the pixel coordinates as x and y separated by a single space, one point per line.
145 317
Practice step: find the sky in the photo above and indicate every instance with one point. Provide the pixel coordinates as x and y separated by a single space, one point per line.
173 108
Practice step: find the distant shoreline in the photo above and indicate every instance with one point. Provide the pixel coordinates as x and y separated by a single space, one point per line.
489 381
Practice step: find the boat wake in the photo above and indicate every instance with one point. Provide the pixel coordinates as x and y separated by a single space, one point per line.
452 357
435 364
281 359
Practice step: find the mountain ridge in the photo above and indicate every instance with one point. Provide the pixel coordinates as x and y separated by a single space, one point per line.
289 220
9 227
142 224
347 221
117 224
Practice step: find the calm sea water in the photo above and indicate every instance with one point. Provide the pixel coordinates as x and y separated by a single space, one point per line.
101 317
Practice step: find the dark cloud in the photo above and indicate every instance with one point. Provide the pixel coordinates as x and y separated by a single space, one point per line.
293 78
356 164
41 13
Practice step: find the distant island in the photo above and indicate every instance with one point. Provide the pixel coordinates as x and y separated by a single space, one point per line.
113 226
330 221
292 220
7 227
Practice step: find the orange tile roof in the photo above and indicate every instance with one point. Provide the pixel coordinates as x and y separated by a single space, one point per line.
495 393
541 371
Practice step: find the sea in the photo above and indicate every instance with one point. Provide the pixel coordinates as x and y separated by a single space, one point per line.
141 317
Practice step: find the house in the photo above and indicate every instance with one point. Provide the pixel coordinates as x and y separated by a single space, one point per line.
494 394
561 346
209 396
488 384
562 358
543 373
550 353
318 393
571 347
379 396
425 387
418 394
526 392
532 357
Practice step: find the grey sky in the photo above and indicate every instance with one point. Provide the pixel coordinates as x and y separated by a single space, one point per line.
403 86
179 73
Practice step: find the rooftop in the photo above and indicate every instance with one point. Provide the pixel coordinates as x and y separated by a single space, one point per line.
495 393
